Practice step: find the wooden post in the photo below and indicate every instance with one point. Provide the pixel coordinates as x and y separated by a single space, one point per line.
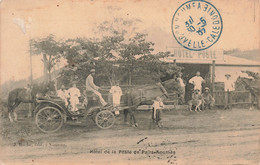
213 77
174 62
250 98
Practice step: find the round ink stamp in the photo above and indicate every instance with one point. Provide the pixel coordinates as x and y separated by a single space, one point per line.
197 25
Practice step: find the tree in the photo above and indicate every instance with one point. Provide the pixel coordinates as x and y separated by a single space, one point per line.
131 52
120 50
50 50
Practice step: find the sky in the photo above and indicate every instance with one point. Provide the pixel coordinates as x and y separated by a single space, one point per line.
78 18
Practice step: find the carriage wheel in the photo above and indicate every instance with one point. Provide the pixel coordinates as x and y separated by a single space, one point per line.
105 119
49 119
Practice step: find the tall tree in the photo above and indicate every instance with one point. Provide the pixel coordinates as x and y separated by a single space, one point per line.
51 51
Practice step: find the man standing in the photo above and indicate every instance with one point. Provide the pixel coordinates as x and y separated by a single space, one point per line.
197 81
181 88
90 86
229 88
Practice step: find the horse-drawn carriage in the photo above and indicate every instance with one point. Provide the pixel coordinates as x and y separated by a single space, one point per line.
51 114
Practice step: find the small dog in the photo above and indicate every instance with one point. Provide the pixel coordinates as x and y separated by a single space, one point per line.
196 101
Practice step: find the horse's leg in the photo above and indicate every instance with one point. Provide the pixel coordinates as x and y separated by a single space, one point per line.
125 114
10 117
11 109
30 110
132 117
15 105
15 116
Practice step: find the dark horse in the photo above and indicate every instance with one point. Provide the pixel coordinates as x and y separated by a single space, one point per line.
23 95
141 95
253 86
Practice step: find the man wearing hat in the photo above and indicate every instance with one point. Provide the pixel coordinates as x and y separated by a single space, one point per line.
208 100
63 94
229 88
90 86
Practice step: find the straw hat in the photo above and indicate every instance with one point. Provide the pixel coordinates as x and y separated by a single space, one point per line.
227 75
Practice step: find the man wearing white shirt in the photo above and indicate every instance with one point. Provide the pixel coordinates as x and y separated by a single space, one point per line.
63 94
90 86
197 81
74 94
229 88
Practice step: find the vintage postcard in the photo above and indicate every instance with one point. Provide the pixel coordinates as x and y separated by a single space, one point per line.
126 82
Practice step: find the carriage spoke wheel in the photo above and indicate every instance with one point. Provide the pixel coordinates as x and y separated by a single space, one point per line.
49 119
105 119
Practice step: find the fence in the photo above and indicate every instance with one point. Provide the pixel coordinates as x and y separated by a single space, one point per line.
238 97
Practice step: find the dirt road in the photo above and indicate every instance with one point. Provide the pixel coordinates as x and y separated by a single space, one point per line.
209 137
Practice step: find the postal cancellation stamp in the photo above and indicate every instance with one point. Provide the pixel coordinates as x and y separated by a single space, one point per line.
197 25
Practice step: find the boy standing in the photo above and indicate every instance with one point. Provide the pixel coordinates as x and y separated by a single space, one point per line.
116 93
157 107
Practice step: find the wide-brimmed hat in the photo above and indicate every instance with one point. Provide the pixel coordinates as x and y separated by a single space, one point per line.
206 88
227 75
92 70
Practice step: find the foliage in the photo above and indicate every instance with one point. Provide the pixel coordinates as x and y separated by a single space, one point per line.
119 53
51 51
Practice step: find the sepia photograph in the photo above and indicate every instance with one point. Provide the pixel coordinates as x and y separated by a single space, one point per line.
129 82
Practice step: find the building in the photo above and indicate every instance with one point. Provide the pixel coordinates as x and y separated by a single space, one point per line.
212 64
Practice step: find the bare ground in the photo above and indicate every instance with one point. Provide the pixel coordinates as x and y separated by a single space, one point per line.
208 137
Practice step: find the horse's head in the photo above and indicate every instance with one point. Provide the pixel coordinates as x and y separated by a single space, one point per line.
50 86
244 80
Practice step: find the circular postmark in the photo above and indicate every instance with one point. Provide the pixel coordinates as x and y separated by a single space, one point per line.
197 25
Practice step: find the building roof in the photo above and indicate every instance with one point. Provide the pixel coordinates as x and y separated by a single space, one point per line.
227 60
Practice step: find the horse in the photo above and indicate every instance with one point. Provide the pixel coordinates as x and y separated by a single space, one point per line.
23 95
253 86
142 95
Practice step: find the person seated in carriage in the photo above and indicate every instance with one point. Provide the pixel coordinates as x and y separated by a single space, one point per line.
63 94
90 86
74 94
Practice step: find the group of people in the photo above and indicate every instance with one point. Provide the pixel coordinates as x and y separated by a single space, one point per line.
71 96
197 81
207 100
